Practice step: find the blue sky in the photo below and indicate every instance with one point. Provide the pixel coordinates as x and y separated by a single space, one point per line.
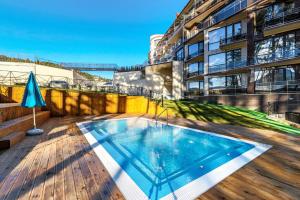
93 31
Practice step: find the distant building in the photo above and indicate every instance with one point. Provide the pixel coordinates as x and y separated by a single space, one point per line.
154 40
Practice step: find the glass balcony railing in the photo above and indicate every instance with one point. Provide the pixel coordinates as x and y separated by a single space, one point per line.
233 39
193 55
196 73
229 89
226 12
284 17
278 55
227 66
278 86
194 92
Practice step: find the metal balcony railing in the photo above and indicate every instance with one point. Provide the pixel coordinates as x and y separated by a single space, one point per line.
278 55
227 66
284 17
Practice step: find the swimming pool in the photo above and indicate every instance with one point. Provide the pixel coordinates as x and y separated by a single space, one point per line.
150 160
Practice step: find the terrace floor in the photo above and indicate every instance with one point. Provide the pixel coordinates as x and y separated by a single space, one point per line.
61 165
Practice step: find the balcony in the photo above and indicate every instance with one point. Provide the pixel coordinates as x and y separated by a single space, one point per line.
278 86
194 93
194 55
282 22
231 40
226 12
194 74
230 89
227 66
279 55
198 14
287 16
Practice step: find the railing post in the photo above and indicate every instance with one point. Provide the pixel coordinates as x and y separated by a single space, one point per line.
162 100
10 78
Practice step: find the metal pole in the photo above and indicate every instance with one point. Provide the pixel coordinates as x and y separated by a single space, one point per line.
34 123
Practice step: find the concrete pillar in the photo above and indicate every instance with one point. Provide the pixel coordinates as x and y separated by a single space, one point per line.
250 37
177 80
251 82
206 86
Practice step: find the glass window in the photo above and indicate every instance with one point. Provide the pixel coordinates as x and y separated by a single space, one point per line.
193 68
201 85
216 82
275 48
216 59
193 50
193 85
237 29
263 51
229 31
278 47
180 54
290 74
214 38
201 67
201 47
279 75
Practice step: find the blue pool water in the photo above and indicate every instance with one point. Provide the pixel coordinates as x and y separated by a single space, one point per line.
161 158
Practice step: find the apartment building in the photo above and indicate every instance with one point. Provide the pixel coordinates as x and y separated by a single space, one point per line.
235 46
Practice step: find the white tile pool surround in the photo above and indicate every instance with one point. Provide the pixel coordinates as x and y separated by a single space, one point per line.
192 190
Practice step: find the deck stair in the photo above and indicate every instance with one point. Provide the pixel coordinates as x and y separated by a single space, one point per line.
13 131
9 111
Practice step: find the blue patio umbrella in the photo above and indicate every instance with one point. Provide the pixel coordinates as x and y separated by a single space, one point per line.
33 98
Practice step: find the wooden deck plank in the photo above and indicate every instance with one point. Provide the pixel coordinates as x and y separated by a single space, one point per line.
9 181
29 181
59 175
78 177
69 185
61 164
17 186
89 179
51 170
39 182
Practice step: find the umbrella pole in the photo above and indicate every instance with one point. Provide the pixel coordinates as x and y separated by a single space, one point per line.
34 124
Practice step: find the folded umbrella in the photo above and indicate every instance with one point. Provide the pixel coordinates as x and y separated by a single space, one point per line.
33 98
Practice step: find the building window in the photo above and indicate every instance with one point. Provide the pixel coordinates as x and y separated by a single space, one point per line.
195 87
225 34
180 54
214 38
280 79
225 61
195 69
233 81
275 48
195 49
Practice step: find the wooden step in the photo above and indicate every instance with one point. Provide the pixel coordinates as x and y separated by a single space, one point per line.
22 123
11 139
9 111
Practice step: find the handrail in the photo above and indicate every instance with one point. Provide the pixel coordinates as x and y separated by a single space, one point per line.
165 110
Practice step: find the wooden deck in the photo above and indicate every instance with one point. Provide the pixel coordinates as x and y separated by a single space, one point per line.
61 165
